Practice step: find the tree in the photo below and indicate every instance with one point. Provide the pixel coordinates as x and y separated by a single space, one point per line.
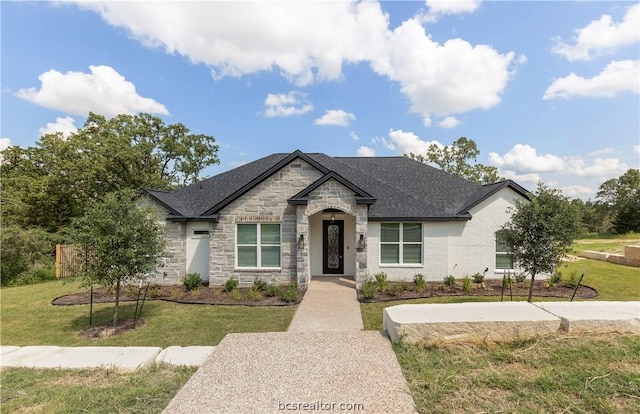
455 159
540 232
618 199
49 184
122 242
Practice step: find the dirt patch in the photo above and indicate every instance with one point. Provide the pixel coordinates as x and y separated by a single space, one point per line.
203 295
107 329
405 290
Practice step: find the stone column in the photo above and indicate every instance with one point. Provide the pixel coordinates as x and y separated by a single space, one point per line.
362 220
302 248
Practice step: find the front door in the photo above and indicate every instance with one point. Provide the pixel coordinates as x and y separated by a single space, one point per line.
333 247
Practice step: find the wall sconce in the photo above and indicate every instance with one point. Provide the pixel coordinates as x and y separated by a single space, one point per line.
361 242
333 217
301 242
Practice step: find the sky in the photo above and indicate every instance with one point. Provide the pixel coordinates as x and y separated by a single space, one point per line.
549 91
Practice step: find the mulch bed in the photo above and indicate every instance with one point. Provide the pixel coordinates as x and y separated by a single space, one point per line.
202 296
107 328
492 288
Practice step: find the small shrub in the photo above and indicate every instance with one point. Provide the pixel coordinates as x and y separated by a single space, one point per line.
290 293
439 288
573 279
404 285
154 292
466 284
272 291
549 283
191 281
557 276
231 284
450 280
520 277
394 288
177 292
235 294
478 278
420 282
254 294
131 291
368 289
37 274
259 284
381 281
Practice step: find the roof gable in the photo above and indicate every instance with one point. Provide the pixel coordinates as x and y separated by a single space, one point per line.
362 197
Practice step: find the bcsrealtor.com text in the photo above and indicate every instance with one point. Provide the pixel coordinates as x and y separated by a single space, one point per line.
319 406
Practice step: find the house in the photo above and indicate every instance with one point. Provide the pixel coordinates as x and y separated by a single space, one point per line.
288 217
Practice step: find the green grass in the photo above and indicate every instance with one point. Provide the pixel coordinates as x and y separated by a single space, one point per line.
90 391
29 318
563 374
609 243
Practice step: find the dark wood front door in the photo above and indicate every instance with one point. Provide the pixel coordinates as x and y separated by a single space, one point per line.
333 247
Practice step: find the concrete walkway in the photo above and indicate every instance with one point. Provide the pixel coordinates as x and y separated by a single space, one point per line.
330 304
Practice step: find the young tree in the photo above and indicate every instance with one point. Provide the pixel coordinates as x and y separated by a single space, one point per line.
540 232
618 201
122 240
460 159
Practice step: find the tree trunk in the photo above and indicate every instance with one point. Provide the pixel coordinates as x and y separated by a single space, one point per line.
533 279
115 313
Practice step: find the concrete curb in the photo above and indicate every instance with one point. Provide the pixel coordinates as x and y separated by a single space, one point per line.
119 358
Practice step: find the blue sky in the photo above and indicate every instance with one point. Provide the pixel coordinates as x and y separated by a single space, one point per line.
548 90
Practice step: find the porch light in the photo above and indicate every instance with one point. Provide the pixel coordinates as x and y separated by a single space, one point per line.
301 242
333 217
361 243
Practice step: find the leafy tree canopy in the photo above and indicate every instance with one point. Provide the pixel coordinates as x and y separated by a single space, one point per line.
539 233
49 184
618 200
460 159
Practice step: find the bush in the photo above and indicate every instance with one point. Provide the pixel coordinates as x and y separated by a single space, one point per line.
466 284
231 284
37 274
235 294
450 280
191 281
394 288
420 282
368 289
259 284
381 281
557 276
478 278
272 290
254 294
290 293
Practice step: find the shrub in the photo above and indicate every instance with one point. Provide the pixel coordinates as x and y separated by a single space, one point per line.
394 288
231 284
235 294
254 294
37 274
272 290
450 280
439 288
420 282
478 278
573 279
520 277
191 281
404 285
549 283
290 293
381 281
259 284
154 291
466 284
368 289
557 276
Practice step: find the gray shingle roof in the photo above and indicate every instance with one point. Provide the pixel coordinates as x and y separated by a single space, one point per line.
395 187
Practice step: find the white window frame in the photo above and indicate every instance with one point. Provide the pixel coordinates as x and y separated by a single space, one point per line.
401 244
258 245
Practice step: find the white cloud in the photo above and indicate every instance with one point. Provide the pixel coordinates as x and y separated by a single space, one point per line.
577 191
388 144
524 158
449 122
354 136
336 117
4 143
408 142
64 125
636 148
602 36
532 178
616 78
607 150
445 79
366 152
438 8
310 41
281 105
103 91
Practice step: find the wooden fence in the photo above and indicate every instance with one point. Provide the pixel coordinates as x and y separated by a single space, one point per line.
69 260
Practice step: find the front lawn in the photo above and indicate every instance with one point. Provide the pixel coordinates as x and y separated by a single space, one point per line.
609 243
29 318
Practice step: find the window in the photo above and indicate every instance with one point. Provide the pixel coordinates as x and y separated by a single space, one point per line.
401 243
258 245
504 259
